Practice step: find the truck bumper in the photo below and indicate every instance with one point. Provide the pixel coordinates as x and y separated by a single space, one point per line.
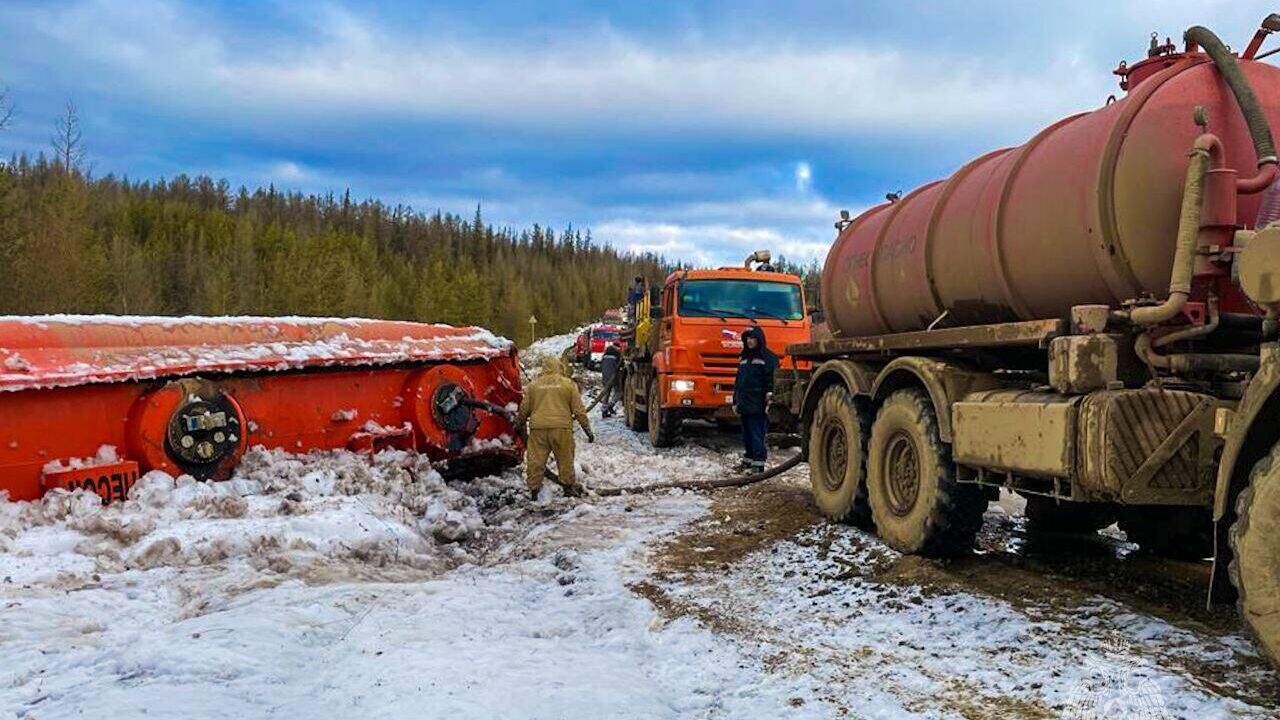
698 394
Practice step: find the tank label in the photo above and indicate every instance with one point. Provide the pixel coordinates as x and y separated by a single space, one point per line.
111 481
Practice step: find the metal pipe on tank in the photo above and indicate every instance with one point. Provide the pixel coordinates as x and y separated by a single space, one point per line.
1206 152
1195 331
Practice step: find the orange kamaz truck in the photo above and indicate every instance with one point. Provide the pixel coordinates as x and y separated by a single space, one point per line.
683 346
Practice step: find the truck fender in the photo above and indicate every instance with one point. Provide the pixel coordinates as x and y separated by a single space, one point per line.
945 382
855 376
660 364
1254 430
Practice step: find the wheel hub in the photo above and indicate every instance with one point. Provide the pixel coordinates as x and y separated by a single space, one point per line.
835 454
901 472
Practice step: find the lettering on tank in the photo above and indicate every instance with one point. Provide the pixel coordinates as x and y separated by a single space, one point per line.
897 247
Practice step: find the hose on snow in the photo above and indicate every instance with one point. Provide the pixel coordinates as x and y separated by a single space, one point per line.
712 484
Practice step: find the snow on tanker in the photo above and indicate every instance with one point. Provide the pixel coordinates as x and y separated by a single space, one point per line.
92 402
1088 320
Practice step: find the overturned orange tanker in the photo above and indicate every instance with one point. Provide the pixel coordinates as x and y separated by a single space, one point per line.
93 401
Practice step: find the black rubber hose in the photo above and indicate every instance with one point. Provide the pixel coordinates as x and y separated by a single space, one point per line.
1216 363
491 408
1229 66
716 484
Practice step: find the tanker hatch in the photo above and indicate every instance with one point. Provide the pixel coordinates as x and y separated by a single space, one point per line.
1159 56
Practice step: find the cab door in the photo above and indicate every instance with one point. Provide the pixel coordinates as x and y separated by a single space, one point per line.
667 328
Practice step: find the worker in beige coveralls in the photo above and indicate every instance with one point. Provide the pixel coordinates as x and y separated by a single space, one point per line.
550 405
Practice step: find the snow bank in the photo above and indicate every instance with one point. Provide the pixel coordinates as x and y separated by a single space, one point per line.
291 514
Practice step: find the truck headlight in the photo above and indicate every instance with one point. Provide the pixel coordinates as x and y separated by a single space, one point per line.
681 386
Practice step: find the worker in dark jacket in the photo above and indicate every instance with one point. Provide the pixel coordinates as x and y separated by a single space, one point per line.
751 389
634 296
610 379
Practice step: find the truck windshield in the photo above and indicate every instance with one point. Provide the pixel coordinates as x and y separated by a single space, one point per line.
741 298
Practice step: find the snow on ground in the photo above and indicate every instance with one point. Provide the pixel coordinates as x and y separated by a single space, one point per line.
325 584
331 585
549 631
813 607
554 346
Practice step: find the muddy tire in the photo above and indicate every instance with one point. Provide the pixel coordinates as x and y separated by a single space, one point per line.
1046 515
664 425
1183 533
632 414
838 438
917 505
1255 548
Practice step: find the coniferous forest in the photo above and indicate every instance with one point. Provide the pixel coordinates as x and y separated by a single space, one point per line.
73 243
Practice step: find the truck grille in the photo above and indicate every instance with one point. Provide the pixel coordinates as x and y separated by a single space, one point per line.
720 362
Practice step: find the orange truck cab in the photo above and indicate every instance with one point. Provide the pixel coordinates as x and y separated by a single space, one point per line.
682 362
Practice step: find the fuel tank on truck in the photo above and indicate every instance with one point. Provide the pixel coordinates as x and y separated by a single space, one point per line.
1085 212
93 402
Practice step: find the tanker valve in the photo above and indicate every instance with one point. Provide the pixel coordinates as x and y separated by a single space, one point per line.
203 431
1156 49
453 408
205 421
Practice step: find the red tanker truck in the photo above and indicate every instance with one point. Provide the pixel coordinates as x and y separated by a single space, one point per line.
93 402
1088 320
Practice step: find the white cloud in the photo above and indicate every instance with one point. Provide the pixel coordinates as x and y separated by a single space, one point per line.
350 67
720 233
804 177
288 171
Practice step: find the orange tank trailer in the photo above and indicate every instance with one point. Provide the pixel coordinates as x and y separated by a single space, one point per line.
94 402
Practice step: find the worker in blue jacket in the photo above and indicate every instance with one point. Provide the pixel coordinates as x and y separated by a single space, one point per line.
751 390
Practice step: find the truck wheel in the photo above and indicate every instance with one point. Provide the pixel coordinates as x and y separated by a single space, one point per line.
1184 533
1255 565
632 413
664 425
838 458
917 505
1046 515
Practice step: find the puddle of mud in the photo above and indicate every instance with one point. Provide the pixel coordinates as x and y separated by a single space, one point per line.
739 522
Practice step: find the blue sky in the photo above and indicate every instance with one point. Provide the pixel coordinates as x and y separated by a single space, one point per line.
699 130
